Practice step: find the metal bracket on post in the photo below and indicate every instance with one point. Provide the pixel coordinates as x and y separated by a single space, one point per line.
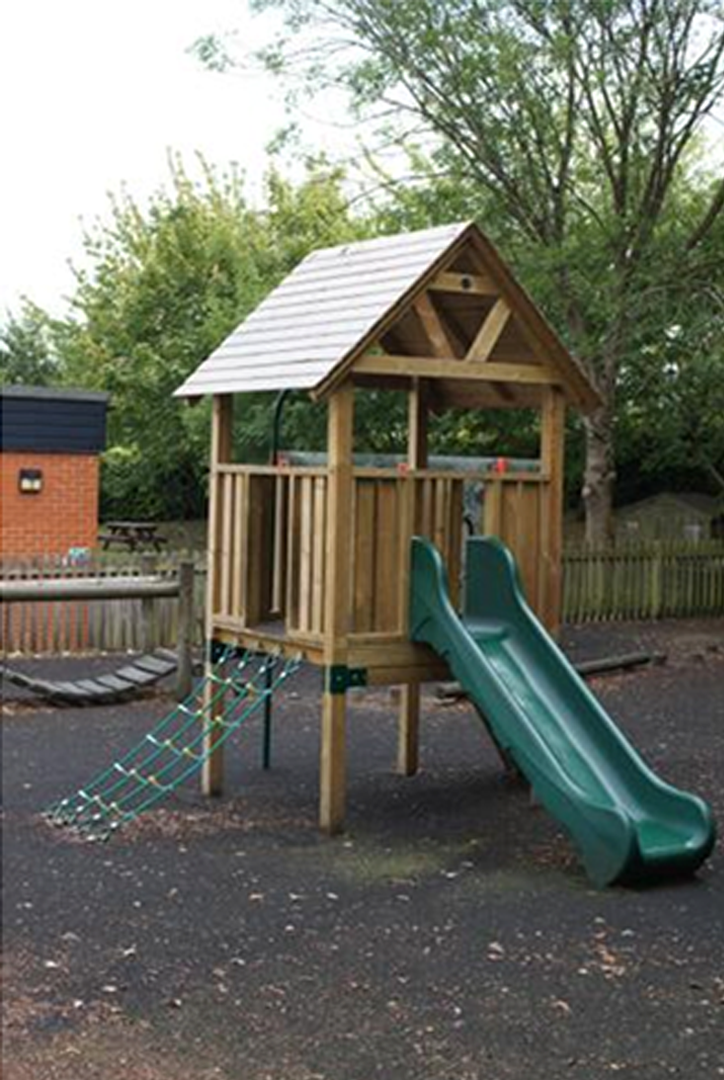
338 678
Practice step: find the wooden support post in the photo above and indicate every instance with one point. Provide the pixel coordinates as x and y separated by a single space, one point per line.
337 605
148 607
408 727
333 765
185 629
212 776
417 417
408 730
212 771
552 455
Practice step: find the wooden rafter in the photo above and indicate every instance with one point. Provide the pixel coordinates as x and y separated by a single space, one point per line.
442 340
473 284
487 336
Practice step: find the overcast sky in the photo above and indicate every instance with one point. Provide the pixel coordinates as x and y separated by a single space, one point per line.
94 93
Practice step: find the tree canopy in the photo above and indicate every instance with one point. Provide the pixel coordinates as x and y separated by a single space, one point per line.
26 348
575 127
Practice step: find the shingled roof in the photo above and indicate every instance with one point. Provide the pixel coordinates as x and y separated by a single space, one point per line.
341 301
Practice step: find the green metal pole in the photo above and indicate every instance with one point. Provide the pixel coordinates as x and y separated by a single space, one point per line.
267 731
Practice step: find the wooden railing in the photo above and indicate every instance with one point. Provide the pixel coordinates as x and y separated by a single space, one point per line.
516 509
389 509
273 532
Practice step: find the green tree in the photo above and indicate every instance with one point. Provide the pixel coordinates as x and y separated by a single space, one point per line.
577 123
164 285
27 355
670 423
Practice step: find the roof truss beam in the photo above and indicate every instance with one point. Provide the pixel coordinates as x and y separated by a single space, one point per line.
489 333
442 340
473 284
451 368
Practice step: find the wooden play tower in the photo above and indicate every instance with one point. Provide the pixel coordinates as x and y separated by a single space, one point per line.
315 560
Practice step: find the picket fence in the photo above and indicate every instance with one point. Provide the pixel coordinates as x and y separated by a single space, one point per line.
635 581
79 626
653 580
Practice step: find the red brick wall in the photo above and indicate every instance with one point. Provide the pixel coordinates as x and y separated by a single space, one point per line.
63 515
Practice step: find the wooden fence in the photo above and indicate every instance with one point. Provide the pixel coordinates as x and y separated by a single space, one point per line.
643 581
654 580
78 626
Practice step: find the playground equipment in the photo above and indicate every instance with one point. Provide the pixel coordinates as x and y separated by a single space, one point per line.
627 823
143 672
314 562
316 559
174 750
118 685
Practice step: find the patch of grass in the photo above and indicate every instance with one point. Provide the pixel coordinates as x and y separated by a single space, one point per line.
369 864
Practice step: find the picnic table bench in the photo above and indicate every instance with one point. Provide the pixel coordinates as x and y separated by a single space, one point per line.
132 535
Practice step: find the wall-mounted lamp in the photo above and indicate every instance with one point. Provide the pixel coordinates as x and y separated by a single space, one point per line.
30 481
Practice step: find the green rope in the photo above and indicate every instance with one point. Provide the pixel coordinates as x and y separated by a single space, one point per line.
143 776
64 811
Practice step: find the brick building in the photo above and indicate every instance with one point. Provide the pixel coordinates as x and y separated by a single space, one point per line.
49 469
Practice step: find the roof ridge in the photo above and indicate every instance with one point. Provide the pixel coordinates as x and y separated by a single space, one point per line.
384 238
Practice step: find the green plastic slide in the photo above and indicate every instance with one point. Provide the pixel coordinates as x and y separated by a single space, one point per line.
628 825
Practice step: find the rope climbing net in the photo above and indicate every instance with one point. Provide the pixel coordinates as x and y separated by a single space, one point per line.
176 749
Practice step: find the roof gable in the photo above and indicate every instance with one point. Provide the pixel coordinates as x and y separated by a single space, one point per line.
379 309
309 323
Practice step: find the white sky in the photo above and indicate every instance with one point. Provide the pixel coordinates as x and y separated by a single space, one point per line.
94 93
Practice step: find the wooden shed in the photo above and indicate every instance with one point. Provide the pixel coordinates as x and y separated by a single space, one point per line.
315 560
671 515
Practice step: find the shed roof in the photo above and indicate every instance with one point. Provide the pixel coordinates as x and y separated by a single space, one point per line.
664 502
341 301
54 393
42 419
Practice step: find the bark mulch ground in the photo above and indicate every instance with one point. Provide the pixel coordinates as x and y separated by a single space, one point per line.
449 935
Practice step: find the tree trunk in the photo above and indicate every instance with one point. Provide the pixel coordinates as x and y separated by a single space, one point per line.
599 476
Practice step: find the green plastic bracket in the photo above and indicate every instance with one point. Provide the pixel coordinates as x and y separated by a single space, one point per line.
339 678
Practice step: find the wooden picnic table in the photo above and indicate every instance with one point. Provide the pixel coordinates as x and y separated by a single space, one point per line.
132 535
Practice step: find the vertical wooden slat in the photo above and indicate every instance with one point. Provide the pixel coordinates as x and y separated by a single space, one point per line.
528 539
386 570
406 514
318 560
305 556
237 603
493 508
225 557
293 554
456 540
281 488
438 534
364 549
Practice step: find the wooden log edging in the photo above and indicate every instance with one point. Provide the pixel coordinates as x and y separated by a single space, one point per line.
146 589
130 588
